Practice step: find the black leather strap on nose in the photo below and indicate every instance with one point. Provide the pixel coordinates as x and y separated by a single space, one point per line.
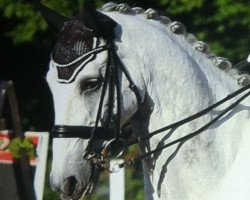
84 132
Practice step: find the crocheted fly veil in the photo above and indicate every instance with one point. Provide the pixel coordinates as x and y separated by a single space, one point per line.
76 40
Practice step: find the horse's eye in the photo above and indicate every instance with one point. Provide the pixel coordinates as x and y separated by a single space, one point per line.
90 84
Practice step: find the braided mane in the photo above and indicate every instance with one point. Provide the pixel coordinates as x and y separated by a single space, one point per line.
178 28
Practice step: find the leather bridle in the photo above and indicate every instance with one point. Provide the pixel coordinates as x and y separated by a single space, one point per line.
111 127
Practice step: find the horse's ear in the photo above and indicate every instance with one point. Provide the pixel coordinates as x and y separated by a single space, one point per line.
101 24
52 18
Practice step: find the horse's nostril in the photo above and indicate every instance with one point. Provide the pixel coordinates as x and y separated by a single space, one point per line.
69 185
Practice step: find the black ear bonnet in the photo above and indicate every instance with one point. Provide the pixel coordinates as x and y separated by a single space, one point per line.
77 35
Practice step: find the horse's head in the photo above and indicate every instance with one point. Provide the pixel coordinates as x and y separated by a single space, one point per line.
93 97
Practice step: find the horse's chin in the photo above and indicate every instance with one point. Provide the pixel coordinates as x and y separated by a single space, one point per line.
90 186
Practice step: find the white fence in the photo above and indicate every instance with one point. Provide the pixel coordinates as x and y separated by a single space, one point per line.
117 180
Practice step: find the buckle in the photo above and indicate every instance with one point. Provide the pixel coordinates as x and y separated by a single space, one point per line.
113 148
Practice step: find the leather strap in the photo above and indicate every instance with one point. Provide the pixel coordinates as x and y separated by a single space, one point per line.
84 132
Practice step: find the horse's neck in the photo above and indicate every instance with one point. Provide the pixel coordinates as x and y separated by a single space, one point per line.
181 90
182 87
180 82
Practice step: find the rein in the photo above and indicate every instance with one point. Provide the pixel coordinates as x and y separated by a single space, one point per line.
192 117
111 131
186 120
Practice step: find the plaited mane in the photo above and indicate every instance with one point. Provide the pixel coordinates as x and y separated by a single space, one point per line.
178 28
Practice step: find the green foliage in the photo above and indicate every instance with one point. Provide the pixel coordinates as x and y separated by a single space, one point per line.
134 183
29 20
181 6
17 144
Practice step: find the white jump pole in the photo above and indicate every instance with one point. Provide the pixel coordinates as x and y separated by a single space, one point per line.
117 180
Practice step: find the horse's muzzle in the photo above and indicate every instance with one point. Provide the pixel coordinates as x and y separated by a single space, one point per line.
71 187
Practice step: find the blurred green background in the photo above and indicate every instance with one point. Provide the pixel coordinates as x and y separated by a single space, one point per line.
26 43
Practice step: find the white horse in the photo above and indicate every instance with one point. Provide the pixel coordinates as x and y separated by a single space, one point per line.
176 76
